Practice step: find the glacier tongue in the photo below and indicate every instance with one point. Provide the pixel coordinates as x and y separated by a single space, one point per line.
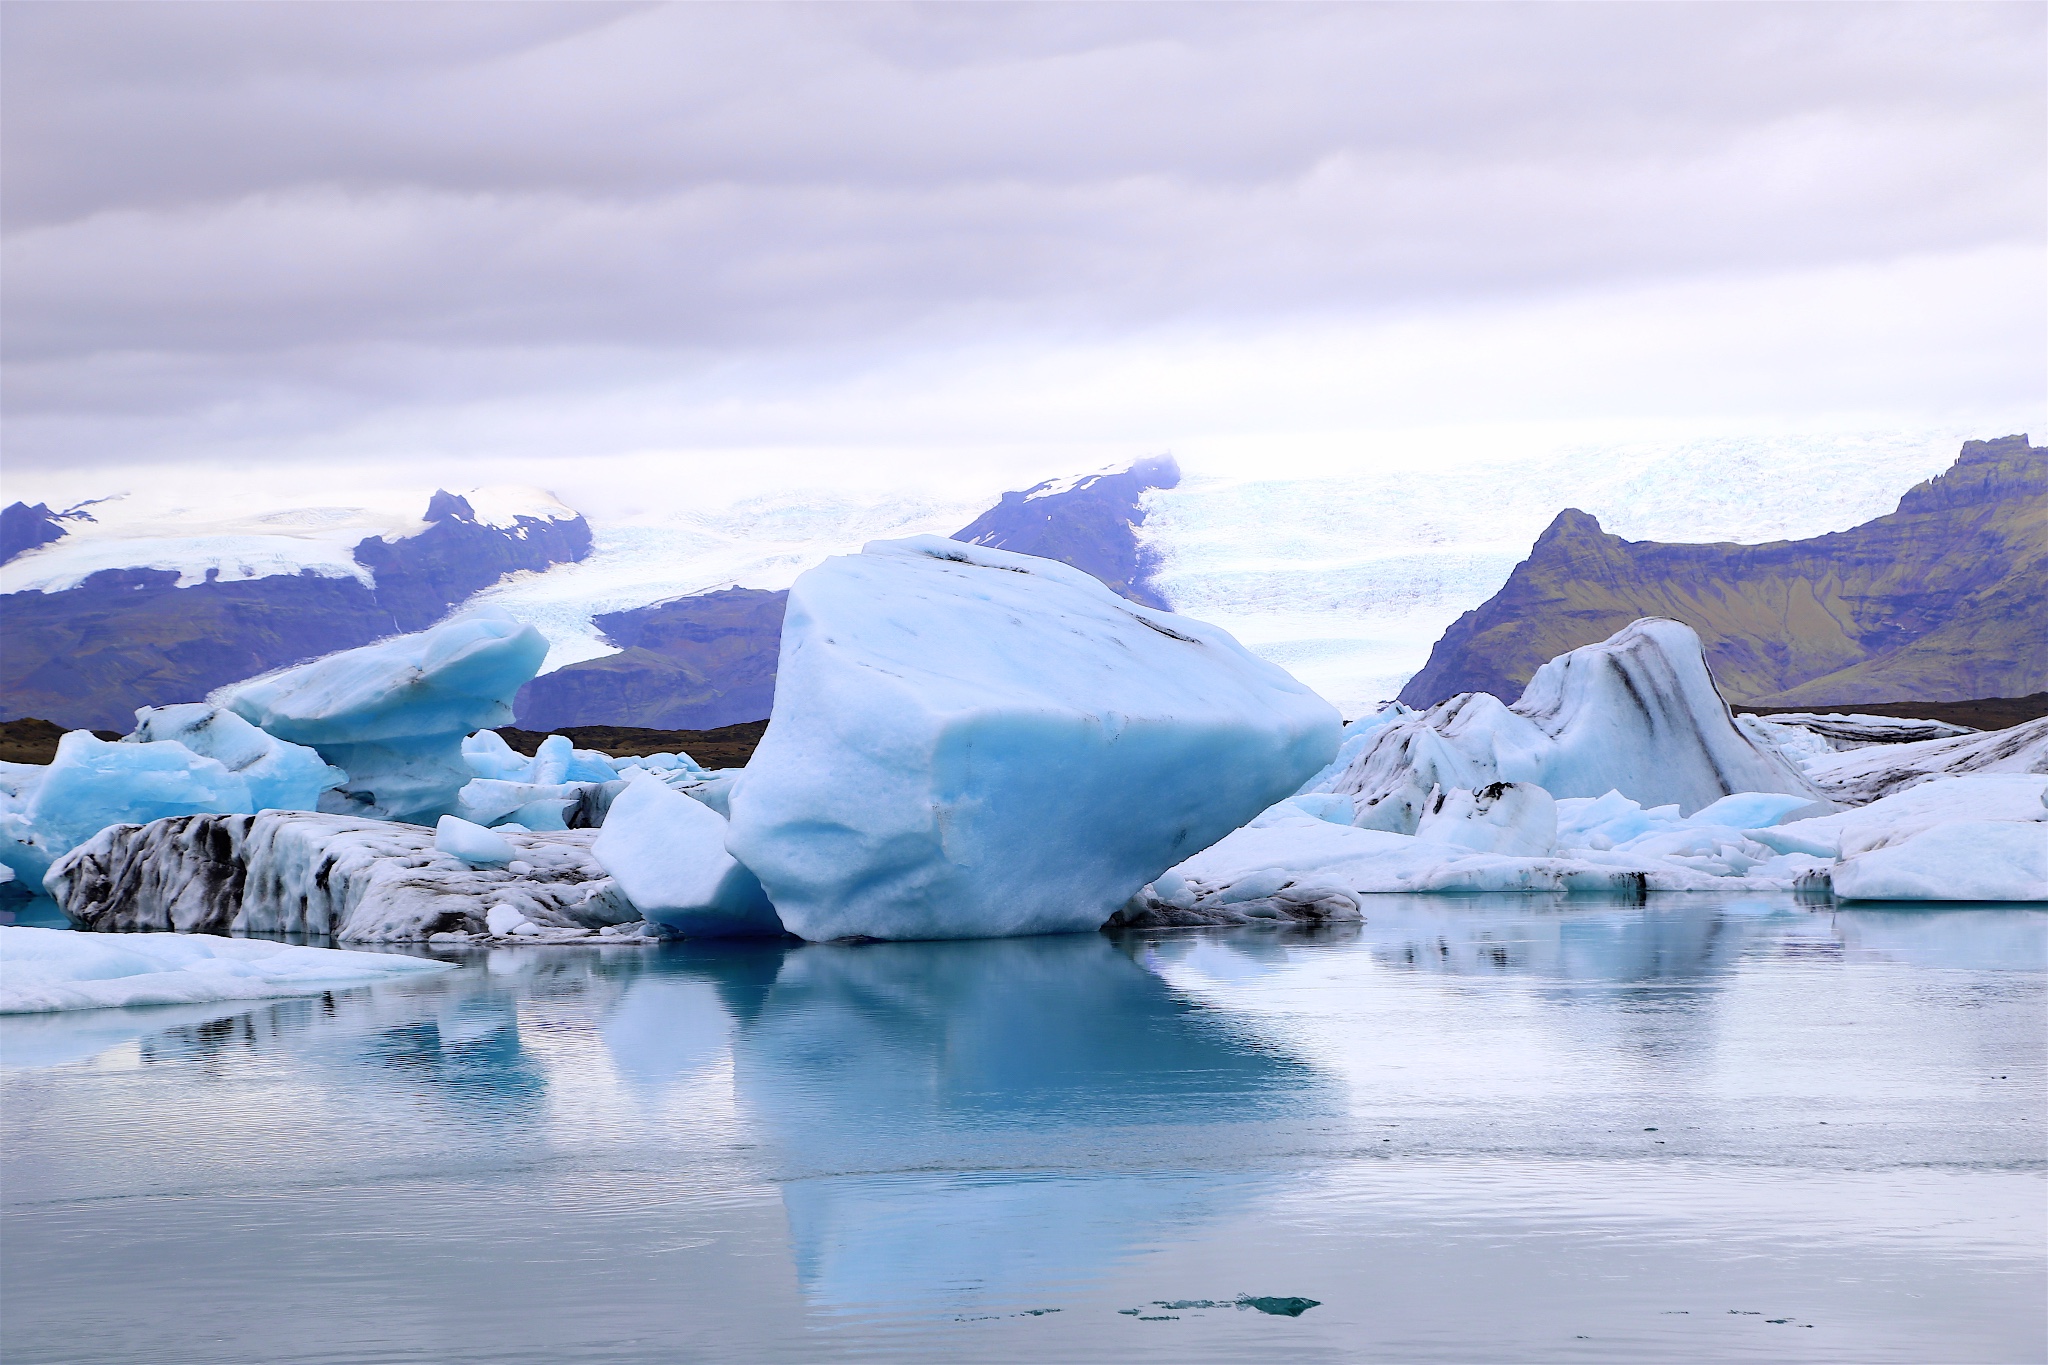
972 743
394 715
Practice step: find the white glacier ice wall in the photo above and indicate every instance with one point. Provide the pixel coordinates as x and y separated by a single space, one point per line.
43 970
971 743
1637 713
393 715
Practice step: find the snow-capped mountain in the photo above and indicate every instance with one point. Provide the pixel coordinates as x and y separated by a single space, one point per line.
1345 575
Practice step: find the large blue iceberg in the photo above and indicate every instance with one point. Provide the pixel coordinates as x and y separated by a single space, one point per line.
393 715
970 743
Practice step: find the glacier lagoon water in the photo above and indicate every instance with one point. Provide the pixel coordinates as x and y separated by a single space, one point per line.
1704 1128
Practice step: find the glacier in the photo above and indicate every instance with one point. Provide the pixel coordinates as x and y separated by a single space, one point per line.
44 970
972 743
394 715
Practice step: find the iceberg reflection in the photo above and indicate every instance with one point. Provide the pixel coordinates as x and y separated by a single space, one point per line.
952 1117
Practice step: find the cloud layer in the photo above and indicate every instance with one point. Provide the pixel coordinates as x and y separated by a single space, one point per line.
426 231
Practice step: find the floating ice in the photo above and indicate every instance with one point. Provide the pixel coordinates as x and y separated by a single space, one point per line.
1515 818
473 843
280 776
93 783
1958 860
1868 774
971 743
56 969
1637 714
667 853
361 881
1976 797
394 714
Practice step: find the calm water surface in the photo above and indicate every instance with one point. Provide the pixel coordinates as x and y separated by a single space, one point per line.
1475 1130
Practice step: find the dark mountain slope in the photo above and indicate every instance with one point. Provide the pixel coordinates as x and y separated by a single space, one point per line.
1941 600
709 660
89 655
23 528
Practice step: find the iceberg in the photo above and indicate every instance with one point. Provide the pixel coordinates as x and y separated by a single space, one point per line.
1637 713
971 743
280 776
56 969
357 880
1977 797
473 843
394 715
1958 860
667 854
93 783
1864 775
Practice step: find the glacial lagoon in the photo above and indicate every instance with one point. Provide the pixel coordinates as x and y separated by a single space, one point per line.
1740 1127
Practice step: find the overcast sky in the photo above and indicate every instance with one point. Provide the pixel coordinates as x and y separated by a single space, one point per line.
858 239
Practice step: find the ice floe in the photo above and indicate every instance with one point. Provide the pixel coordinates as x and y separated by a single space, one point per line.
1637 713
667 853
394 715
1863 775
358 880
971 743
56 969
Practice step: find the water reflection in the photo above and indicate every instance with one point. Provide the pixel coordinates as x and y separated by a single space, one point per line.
909 1091
588 1153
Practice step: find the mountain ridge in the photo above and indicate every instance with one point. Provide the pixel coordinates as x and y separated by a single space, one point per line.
1938 600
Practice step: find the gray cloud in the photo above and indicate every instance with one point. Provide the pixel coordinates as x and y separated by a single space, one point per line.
211 204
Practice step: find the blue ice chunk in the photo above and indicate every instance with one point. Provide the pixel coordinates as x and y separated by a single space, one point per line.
472 843
969 743
394 715
280 775
667 853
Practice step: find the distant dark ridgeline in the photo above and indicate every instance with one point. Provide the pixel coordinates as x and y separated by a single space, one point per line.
88 656
1943 600
709 660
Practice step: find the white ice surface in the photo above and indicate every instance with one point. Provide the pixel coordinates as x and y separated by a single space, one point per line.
259 535
394 715
1975 797
667 854
1637 714
56 969
1866 774
1958 860
971 743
